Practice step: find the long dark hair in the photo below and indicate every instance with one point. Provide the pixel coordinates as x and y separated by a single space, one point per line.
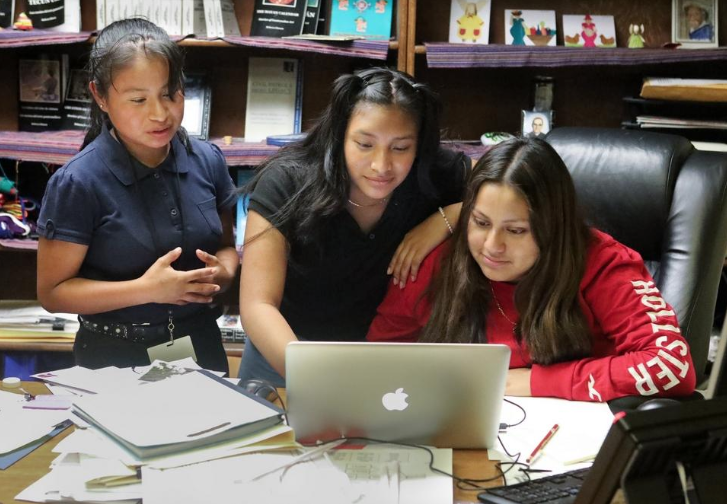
116 47
318 161
551 324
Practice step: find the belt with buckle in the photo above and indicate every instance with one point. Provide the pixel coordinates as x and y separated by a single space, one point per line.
136 333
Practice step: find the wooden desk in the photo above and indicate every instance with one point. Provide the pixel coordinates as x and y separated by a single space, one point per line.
466 463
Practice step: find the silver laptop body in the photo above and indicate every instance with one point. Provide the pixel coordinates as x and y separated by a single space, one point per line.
443 395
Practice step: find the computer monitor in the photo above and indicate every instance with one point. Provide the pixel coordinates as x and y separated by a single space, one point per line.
645 452
717 384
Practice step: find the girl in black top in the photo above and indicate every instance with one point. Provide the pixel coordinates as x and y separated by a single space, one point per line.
328 214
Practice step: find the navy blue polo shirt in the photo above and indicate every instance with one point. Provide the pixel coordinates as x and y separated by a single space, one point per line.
96 200
333 287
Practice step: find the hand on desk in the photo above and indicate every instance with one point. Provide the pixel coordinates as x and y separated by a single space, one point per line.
518 382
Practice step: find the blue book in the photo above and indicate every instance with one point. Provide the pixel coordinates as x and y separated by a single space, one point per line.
367 18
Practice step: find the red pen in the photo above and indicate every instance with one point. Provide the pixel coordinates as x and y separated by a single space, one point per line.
542 444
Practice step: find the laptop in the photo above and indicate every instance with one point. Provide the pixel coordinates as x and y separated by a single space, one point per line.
442 395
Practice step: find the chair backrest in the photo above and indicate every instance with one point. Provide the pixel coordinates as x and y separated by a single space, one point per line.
658 195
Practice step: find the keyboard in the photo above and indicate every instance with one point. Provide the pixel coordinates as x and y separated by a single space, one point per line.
556 489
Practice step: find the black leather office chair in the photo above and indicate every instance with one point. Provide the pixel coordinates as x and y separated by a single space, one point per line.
658 195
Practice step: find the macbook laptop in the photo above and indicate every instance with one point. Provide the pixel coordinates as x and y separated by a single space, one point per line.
443 395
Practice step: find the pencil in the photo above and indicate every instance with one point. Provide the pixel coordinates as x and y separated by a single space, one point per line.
541 444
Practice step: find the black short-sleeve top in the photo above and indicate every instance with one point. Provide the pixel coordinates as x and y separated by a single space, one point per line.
332 288
103 199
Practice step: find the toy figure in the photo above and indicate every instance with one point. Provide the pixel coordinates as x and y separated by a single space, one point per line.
342 4
23 23
470 23
380 6
518 28
636 37
589 32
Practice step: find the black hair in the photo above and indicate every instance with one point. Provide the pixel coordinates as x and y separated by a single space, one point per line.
116 47
318 161
552 324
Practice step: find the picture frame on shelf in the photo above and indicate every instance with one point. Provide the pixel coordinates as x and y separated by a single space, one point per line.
197 105
694 23
536 123
469 22
530 27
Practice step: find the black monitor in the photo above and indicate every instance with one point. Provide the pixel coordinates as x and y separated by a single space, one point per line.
645 452
717 385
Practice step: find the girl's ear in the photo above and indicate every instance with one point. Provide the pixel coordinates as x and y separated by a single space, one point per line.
96 96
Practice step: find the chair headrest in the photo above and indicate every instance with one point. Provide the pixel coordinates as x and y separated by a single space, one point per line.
624 179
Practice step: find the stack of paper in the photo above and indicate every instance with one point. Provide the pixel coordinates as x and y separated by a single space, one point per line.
28 320
175 415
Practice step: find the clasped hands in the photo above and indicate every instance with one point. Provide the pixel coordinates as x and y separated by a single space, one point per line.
169 286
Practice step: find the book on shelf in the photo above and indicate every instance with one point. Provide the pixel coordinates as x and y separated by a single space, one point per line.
648 121
55 15
231 329
706 90
312 13
77 103
224 21
7 13
278 18
197 105
371 20
42 83
193 21
274 97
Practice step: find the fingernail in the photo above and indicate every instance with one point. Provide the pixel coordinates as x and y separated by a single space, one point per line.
396 282
388 271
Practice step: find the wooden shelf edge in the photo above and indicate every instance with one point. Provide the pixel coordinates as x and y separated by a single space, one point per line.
448 55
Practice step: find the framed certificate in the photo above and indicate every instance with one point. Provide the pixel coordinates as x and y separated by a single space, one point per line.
197 102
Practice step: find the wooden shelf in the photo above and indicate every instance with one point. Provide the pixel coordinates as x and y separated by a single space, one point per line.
57 147
447 55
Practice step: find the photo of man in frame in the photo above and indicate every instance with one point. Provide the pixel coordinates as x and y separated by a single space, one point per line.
694 23
536 124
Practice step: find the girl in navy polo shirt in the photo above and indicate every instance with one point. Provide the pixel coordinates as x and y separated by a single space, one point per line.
363 193
136 229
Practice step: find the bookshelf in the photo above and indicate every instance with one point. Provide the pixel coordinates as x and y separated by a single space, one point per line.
225 62
485 87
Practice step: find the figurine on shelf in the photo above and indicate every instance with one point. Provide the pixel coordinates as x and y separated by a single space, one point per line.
636 37
23 23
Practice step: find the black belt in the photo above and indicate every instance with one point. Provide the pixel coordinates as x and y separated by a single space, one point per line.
136 333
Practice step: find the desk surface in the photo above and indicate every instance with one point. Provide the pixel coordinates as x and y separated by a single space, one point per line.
466 463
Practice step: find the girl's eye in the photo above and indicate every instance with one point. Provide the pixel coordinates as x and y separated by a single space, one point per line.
518 231
138 100
402 149
481 223
363 145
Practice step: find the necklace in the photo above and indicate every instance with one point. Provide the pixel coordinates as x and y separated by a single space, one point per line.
502 312
378 202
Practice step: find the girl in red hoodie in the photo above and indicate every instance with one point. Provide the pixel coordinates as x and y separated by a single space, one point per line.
579 310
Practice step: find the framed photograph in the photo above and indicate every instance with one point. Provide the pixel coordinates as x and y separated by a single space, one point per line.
197 103
40 81
536 124
694 23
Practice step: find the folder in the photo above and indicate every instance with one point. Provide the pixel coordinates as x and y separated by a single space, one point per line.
178 414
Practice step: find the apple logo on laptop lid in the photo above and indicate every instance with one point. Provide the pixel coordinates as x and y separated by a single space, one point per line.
395 401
